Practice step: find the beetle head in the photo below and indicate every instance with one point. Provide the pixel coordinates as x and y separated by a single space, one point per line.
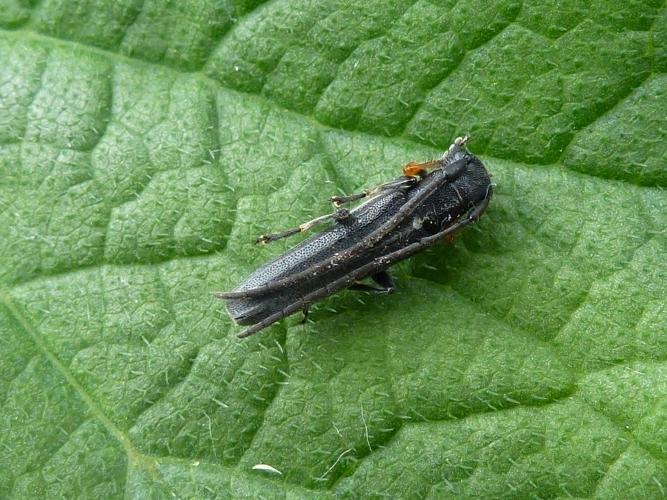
456 168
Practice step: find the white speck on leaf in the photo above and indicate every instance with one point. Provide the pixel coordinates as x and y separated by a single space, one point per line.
267 468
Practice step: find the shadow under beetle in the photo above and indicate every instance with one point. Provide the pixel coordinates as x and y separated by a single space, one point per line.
400 218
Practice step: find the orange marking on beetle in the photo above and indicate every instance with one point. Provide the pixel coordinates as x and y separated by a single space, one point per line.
449 239
413 168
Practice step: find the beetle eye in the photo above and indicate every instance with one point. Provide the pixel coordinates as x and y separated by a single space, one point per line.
430 225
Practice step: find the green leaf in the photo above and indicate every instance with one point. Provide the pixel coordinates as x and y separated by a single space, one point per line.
143 145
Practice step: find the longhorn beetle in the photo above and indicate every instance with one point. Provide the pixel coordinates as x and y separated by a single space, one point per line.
429 202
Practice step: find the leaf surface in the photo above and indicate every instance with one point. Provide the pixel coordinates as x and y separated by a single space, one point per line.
143 145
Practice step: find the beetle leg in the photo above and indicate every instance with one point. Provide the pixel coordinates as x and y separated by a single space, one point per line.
363 287
382 278
338 215
375 266
399 183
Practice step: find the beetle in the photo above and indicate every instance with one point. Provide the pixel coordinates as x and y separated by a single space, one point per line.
428 203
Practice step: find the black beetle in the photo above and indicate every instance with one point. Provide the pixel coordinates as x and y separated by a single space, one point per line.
401 218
